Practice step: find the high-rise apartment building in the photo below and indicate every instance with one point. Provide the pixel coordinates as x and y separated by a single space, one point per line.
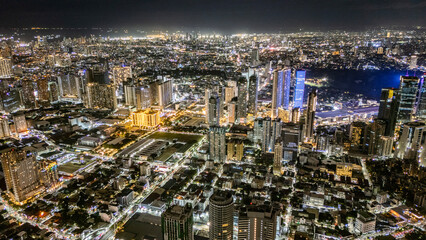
214 110
137 96
412 141
291 136
242 99
177 223
235 149
121 73
5 68
4 127
278 156
21 173
101 96
281 90
69 86
252 95
357 135
374 133
310 115
221 216
257 223
217 144
20 123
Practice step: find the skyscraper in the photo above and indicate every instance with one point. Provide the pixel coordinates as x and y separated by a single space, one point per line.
137 96
28 93
101 96
177 223
229 94
275 133
4 128
278 156
266 134
281 90
254 56
5 68
20 123
421 105
299 88
235 149
221 216
232 110
213 114
252 95
412 141
375 131
277 92
69 86
121 73
217 144
413 62
21 173
291 136
53 92
388 109
165 93
257 223
408 90
357 135
242 99
310 115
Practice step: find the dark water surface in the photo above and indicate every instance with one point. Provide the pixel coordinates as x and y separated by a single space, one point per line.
368 82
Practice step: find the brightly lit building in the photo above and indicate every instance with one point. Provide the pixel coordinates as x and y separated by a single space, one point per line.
5 68
299 88
148 118
21 172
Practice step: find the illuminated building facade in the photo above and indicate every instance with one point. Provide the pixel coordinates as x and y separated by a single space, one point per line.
299 88
221 216
235 150
257 222
101 96
5 68
21 172
217 144
148 118
408 90
20 123
121 73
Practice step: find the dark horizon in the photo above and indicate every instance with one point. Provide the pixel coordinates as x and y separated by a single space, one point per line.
215 16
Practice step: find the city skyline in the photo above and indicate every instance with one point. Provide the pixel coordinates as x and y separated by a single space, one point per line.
169 120
214 16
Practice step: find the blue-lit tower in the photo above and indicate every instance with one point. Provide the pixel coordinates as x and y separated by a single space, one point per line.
299 88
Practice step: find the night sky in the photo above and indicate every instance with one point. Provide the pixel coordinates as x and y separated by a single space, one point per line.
214 15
